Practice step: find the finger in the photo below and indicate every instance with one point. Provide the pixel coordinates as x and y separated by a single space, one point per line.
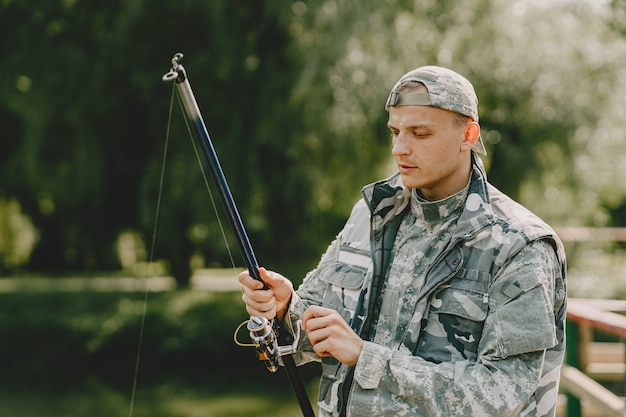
258 296
316 333
321 351
266 309
269 315
246 280
271 278
321 341
315 324
313 312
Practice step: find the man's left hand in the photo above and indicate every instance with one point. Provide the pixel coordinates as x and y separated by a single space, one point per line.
331 335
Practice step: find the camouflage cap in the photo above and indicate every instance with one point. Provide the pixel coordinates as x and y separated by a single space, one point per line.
446 90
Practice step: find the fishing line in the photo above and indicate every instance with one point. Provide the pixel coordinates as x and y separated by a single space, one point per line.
206 184
155 227
151 256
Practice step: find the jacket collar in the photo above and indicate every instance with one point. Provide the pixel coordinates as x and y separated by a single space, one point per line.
388 198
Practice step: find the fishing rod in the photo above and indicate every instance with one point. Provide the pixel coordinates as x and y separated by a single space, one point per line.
262 332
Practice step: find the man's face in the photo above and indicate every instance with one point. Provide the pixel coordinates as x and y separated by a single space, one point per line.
431 150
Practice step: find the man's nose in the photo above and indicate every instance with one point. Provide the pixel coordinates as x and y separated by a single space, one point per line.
400 145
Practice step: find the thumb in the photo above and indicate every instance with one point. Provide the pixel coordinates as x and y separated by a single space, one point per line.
270 278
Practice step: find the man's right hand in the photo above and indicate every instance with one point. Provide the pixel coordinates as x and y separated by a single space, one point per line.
270 303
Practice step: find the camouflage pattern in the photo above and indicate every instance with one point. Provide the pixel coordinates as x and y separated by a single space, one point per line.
461 303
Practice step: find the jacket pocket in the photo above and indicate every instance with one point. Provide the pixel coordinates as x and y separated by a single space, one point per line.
524 320
462 298
330 396
457 315
343 287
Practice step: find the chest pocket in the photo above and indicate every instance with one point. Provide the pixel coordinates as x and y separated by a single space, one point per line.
343 287
457 315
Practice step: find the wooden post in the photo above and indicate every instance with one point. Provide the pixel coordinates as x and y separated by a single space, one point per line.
624 386
572 358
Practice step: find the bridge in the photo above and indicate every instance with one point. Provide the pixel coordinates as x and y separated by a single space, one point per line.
593 380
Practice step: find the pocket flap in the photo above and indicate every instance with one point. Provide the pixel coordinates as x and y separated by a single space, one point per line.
472 305
346 277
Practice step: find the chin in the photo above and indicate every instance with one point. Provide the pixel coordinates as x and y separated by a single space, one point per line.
408 183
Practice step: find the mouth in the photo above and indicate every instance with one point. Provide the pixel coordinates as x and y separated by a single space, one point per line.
406 168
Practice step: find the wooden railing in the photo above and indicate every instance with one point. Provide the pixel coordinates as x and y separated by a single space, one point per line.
589 361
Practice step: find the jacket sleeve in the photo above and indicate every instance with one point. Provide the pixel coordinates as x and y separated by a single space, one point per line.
520 351
337 280
309 293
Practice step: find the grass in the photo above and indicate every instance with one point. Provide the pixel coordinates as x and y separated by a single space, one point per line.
69 354
72 353
97 399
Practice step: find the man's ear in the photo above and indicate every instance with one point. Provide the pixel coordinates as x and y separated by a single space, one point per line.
472 133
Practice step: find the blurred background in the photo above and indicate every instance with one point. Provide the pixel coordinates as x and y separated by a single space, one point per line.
118 290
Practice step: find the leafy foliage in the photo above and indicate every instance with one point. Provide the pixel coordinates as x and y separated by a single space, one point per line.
292 95
185 334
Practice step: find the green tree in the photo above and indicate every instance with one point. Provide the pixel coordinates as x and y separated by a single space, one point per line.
292 95
546 74
92 113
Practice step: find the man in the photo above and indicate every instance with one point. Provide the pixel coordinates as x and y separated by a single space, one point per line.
441 296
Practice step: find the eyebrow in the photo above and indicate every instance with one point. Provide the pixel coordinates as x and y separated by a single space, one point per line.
414 126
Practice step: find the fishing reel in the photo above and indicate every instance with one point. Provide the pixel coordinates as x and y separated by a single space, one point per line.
265 341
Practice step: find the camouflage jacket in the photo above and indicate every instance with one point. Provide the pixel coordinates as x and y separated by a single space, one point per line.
486 336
